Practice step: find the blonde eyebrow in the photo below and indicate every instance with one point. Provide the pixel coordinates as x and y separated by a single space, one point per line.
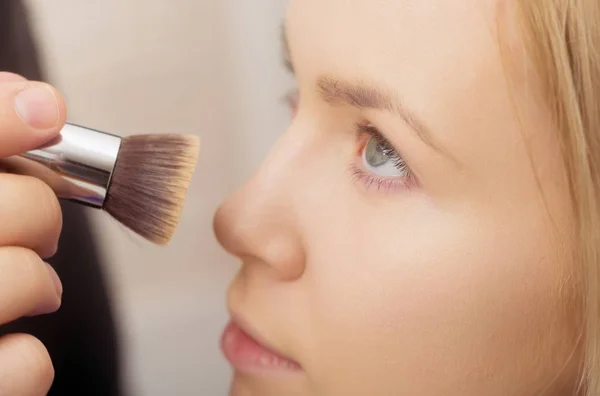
363 96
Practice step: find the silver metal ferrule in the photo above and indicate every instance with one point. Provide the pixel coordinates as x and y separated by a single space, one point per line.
78 164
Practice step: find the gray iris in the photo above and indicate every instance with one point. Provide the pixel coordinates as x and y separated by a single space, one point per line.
375 153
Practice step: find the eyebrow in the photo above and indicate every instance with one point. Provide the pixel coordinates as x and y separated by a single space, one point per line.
363 96
366 96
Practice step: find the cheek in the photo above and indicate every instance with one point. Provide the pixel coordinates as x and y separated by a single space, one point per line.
462 296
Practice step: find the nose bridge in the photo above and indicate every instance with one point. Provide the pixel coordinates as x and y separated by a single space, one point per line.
260 219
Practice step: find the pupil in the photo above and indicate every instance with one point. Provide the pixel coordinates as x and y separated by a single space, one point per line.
375 153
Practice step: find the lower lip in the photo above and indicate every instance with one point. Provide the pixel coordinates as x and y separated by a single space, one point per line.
248 355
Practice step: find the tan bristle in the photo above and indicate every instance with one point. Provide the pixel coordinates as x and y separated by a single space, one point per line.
150 183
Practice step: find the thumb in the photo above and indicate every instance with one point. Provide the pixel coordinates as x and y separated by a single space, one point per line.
31 114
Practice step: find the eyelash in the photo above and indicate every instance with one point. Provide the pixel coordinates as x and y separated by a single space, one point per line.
388 149
400 183
366 131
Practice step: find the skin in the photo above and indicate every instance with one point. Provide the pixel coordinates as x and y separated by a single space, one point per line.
31 223
454 286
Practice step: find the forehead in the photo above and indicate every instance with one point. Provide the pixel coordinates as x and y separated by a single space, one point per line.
437 54
391 31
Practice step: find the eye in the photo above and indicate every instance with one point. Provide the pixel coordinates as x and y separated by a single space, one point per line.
380 158
379 164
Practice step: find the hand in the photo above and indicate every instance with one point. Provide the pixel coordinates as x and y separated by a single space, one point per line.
31 114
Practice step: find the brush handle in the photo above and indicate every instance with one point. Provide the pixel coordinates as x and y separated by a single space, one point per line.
77 165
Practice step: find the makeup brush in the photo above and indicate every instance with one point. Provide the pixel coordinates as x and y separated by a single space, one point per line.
140 180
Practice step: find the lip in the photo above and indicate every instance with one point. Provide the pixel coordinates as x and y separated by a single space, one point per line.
248 353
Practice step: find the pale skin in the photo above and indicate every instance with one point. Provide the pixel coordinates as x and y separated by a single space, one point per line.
450 284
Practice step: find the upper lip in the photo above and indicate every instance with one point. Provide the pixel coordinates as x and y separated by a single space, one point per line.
246 326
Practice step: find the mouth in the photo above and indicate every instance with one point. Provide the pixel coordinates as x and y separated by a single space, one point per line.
246 354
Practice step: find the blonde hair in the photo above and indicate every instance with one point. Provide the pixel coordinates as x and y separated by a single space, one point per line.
564 43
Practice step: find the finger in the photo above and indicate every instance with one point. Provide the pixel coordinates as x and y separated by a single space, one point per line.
28 286
25 366
31 214
31 114
6 77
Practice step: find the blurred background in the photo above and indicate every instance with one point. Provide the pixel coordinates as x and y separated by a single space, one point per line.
208 67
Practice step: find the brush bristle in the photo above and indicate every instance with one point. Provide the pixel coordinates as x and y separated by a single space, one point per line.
150 183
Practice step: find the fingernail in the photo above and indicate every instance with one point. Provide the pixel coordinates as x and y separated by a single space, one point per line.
37 107
56 280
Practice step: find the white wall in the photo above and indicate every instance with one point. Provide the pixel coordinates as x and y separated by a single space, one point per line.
209 67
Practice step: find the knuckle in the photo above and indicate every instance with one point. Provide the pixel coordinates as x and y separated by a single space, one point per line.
32 267
49 206
30 214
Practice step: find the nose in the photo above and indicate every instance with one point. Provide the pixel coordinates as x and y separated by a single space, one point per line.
260 222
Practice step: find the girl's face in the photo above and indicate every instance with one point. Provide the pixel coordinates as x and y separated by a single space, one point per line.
398 240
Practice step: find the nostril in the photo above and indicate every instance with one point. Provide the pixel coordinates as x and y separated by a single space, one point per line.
274 243
286 255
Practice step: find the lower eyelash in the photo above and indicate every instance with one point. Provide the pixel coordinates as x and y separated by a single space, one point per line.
380 183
